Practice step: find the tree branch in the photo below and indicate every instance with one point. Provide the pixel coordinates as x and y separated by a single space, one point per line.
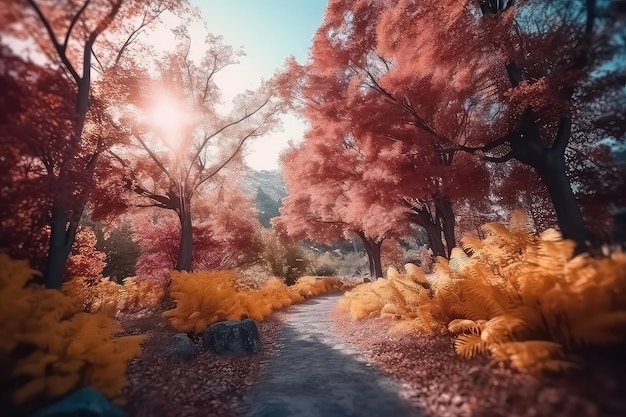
563 135
220 130
154 157
135 33
55 42
72 23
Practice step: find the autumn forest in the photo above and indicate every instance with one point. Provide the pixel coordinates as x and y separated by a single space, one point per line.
460 187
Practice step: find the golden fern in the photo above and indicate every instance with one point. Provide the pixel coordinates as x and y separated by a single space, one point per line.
68 348
205 298
521 296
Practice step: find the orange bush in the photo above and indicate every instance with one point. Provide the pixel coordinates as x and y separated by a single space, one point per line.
49 346
204 298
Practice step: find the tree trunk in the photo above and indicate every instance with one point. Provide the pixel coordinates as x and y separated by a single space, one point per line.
551 169
433 230
446 220
372 248
185 249
373 252
62 235
549 163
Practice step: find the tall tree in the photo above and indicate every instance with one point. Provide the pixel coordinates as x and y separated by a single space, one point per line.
74 38
182 142
348 86
543 72
443 68
333 192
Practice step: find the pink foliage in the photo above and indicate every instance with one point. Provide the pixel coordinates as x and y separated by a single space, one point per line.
85 260
225 234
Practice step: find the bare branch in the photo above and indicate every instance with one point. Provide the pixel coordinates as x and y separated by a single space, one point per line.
135 34
60 50
72 23
232 156
220 130
154 157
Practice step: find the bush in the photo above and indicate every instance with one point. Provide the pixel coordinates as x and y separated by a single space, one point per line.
50 347
205 298
522 297
325 265
283 260
133 295
354 265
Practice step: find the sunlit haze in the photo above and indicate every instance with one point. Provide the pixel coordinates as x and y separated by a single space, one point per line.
268 31
166 116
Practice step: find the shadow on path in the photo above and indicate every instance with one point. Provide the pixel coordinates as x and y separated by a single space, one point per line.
315 374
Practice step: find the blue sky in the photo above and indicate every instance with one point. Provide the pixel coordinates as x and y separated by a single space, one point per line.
269 31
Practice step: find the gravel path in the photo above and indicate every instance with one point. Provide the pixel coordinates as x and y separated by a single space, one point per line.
314 373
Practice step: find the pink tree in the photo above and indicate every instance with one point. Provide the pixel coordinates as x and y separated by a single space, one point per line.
69 35
182 143
226 234
334 192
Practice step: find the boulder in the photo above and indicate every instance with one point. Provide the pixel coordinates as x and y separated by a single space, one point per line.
233 337
181 349
86 402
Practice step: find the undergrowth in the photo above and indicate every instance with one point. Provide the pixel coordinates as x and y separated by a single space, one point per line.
205 298
133 295
522 297
49 346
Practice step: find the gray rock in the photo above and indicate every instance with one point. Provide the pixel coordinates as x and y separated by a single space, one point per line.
234 337
181 349
86 402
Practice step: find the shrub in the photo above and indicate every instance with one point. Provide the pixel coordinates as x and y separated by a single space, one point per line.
522 297
354 265
50 347
205 298
133 295
325 264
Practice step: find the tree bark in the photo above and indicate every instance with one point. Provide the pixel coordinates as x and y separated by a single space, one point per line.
445 218
62 235
433 230
551 169
185 249
549 163
372 248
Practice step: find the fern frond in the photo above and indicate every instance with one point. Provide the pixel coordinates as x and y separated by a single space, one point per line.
519 222
464 325
500 329
469 345
458 260
472 245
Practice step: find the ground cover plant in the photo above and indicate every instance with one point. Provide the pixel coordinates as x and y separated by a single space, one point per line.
50 347
520 296
205 298
133 295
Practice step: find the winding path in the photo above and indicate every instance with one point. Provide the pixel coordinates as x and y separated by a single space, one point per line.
315 374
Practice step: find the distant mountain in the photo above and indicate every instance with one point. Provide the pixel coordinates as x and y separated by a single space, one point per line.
271 182
268 190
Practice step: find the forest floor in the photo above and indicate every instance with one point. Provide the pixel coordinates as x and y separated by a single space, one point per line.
304 344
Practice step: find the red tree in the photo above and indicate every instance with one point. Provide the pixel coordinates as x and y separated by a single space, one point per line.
225 234
67 35
437 76
350 90
531 65
333 192
168 165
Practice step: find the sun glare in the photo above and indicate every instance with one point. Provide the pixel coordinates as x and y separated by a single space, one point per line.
167 116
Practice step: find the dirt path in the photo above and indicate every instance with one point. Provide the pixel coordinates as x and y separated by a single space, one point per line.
314 373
